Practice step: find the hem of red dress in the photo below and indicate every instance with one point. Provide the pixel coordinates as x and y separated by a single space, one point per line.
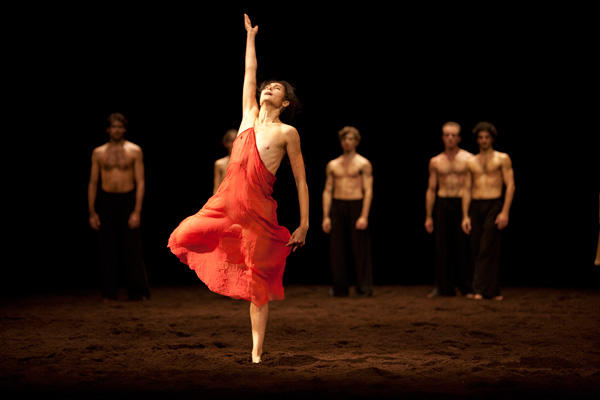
182 252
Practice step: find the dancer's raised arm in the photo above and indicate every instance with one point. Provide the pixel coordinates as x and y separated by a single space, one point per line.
249 103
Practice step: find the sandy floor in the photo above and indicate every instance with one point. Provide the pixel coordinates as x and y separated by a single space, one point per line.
187 342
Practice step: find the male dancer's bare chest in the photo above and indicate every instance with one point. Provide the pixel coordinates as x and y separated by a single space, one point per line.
116 158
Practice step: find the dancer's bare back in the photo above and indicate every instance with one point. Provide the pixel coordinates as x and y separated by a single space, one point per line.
220 172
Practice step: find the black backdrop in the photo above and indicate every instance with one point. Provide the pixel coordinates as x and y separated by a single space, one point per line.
397 75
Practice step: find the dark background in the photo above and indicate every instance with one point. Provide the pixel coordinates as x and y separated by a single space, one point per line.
397 75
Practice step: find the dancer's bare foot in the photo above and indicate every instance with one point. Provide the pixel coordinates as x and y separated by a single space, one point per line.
470 296
258 318
499 298
256 358
477 297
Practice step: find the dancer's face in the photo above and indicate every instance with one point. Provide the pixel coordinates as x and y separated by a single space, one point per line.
228 145
450 136
275 94
116 130
484 140
349 142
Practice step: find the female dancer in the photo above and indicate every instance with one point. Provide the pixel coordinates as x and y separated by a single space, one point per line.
234 242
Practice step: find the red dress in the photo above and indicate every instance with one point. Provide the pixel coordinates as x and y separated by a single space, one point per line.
234 242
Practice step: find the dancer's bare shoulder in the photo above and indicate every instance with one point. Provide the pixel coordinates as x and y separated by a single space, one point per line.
503 158
289 132
464 155
362 162
222 162
435 161
473 162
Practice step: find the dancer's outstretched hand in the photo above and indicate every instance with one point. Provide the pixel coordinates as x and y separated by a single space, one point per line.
248 25
298 238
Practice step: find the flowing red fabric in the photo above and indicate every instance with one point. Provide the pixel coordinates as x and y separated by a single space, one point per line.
234 242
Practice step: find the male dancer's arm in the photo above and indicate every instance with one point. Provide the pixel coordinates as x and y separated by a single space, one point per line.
430 197
249 103
509 180
140 189
466 201
294 153
327 195
94 219
367 183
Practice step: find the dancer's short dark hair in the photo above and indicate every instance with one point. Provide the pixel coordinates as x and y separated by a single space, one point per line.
349 130
116 117
485 126
229 136
288 113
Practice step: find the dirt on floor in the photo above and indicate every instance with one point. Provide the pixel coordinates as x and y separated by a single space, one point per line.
186 341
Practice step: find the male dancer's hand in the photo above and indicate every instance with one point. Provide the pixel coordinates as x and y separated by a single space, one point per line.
466 225
362 223
134 220
326 225
95 221
501 221
429 225
298 238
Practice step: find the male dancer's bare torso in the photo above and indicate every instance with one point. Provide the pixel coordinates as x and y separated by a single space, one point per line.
451 171
348 173
487 179
116 162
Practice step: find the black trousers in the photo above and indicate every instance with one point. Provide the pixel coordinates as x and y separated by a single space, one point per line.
453 262
485 240
120 247
350 249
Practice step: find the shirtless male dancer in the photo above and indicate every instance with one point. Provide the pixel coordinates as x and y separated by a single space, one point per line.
234 242
443 210
485 214
221 163
115 211
346 204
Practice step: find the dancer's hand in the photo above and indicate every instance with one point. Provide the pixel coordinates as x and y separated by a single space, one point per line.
134 220
298 238
95 221
429 225
248 25
326 225
362 223
501 221
466 225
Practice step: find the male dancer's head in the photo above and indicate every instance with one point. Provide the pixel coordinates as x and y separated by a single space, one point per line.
349 139
116 127
485 133
228 139
451 135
